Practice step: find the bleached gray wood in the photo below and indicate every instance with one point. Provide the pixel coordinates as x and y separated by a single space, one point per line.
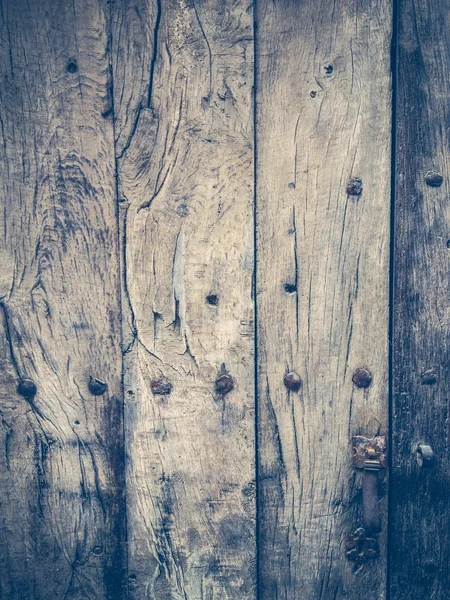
60 494
183 78
323 116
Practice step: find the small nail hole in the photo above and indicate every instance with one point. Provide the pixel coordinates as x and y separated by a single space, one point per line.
290 288
212 299
329 69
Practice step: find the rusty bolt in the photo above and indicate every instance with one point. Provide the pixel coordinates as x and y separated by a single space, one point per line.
224 384
354 186
97 386
292 381
433 179
362 378
161 386
27 388
428 377
425 456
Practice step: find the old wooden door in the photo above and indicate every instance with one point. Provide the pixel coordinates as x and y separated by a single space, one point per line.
225 236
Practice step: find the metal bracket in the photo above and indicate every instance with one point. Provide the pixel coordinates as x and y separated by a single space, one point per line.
369 453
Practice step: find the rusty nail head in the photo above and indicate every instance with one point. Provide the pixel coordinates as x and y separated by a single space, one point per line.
27 388
433 179
354 186
224 384
292 381
362 378
97 386
425 456
428 377
161 386
369 452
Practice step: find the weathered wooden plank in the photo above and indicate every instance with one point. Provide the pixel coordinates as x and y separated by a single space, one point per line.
60 528
185 163
420 536
323 117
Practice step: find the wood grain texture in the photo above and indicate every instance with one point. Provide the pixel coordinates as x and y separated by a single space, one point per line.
323 116
60 528
184 135
421 385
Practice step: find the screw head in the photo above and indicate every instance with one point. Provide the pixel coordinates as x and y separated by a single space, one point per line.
161 386
354 186
97 386
433 179
292 381
27 388
362 378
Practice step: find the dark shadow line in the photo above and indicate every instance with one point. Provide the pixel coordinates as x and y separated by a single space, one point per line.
391 333
255 305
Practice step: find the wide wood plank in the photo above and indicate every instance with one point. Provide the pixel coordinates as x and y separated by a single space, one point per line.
420 537
61 463
323 117
183 79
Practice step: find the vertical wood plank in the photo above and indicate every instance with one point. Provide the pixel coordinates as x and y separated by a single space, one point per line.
183 75
421 385
60 496
323 117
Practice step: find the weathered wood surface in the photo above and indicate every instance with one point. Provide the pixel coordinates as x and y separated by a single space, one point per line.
323 115
60 528
420 536
183 75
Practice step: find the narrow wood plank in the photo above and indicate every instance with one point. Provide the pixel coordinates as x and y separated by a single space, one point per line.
183 79
60 496
323 116
421 385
